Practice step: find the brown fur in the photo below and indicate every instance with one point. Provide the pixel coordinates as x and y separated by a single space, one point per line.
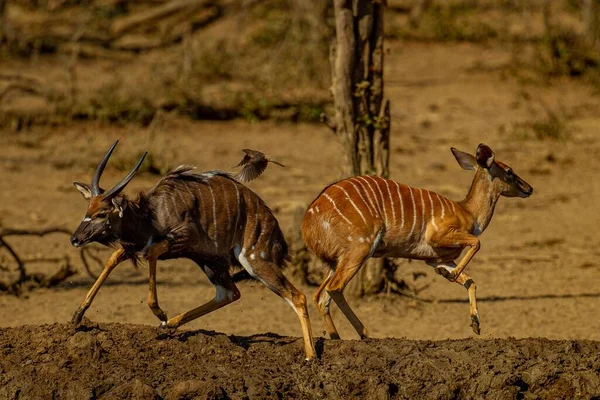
210 218
368 216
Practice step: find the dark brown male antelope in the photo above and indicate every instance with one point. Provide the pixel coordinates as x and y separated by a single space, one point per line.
209 218
368 216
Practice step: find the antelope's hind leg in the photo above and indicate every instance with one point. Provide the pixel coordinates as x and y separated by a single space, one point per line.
226 292
152 254
347 267
270 274
322 300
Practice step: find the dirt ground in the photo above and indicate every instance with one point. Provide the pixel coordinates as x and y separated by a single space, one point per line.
119 361
537 272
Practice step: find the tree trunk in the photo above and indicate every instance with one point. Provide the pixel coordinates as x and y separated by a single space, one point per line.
361 113
590 11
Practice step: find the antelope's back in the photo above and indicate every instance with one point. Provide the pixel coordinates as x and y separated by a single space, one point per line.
223 211
355 210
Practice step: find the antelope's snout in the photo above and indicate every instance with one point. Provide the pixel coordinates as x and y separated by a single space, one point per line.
525 188
75 241
83 234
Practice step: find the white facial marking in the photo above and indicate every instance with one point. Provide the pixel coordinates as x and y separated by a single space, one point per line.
87 219
252 256
310 210
317 208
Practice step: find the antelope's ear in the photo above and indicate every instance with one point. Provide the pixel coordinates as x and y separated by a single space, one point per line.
485 156
84 189
465 160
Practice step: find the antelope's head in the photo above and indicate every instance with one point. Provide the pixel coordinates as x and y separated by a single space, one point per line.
102 219
502 177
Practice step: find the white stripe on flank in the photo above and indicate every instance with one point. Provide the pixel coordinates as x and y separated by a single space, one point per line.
441 204
447 202
387 184
352 202
237 216
173 203
336 208
256 221
412 197
423 211
432 211
401 204
239 211
382 200
361 196
359 179
269 238
214 207
452 204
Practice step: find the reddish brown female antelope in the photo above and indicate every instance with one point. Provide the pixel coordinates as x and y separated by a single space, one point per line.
368 216
209 218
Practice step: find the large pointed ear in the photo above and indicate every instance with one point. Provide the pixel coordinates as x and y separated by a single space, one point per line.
485 156
84 190
465 160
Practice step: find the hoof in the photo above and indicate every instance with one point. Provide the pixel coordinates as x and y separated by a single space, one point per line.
77 317
475 324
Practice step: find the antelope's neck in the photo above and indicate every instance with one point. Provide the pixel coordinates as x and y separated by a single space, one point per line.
136 225
481 201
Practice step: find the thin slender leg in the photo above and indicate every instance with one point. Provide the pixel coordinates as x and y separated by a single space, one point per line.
225 295
347 267
270 274
322 300
152 256
115 259
457 239
469 284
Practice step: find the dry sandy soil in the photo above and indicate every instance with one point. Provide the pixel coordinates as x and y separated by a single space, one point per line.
537 272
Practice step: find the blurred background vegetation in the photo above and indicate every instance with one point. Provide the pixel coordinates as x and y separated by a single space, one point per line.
124 60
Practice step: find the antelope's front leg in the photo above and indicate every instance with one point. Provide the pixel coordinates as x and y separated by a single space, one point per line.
446 270
115 259
152 254
469 284
458 239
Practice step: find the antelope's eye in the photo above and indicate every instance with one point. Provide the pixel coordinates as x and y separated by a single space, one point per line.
101 215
